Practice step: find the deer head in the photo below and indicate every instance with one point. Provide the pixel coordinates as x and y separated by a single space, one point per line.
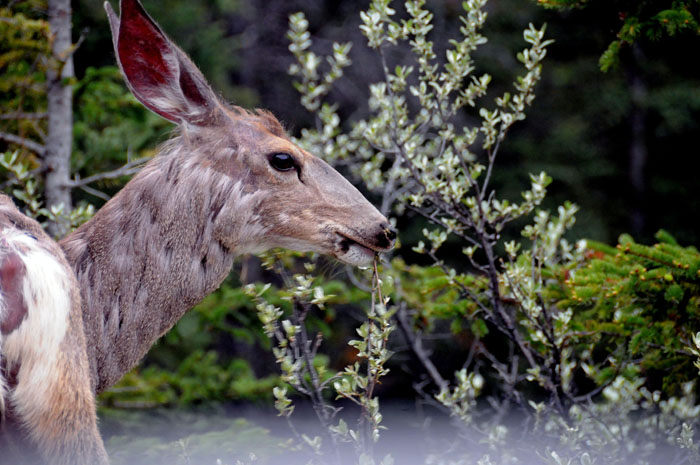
294 200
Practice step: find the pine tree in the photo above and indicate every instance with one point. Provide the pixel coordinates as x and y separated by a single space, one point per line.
647 19
641 304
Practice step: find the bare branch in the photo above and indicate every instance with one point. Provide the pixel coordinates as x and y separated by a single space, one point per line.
26 143
350 272
492 158
95 192
417 347
24 115
127 170
387 198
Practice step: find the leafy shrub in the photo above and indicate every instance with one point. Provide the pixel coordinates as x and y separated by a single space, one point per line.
567 339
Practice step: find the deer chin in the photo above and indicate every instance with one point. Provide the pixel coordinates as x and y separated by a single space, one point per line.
352 252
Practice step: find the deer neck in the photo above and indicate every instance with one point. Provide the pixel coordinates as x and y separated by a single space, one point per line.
164 242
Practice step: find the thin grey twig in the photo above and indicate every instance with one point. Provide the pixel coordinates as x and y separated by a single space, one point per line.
96 193
126 170
356 282
26 143
24 115
415 342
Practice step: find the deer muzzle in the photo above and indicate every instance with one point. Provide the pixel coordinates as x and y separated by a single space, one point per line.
359 249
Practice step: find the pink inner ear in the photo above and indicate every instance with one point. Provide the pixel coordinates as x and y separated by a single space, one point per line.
190 89
11 277
142 49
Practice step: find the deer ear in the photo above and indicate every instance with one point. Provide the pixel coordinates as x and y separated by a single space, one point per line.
158 73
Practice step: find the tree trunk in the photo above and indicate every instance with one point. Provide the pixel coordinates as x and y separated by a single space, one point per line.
638 152
60 113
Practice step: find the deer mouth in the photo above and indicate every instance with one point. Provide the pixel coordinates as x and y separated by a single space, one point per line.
354 251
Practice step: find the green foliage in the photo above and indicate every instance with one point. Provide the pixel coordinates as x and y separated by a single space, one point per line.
296 354
200 377
428 288
227 312
641 303
358 382
22 184
311 89
24 51
110 125
577 385
642 20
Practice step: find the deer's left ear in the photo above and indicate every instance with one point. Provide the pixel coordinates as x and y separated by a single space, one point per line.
158 73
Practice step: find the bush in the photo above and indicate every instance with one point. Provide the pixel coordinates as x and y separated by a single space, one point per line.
571 358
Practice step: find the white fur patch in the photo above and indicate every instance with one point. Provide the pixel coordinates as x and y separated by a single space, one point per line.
35 343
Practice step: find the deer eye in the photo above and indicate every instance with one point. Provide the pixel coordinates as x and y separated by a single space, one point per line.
282 161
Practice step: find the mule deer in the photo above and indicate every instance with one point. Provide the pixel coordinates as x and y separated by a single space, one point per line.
231 182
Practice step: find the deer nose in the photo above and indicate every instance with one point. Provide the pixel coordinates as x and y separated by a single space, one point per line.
387 236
